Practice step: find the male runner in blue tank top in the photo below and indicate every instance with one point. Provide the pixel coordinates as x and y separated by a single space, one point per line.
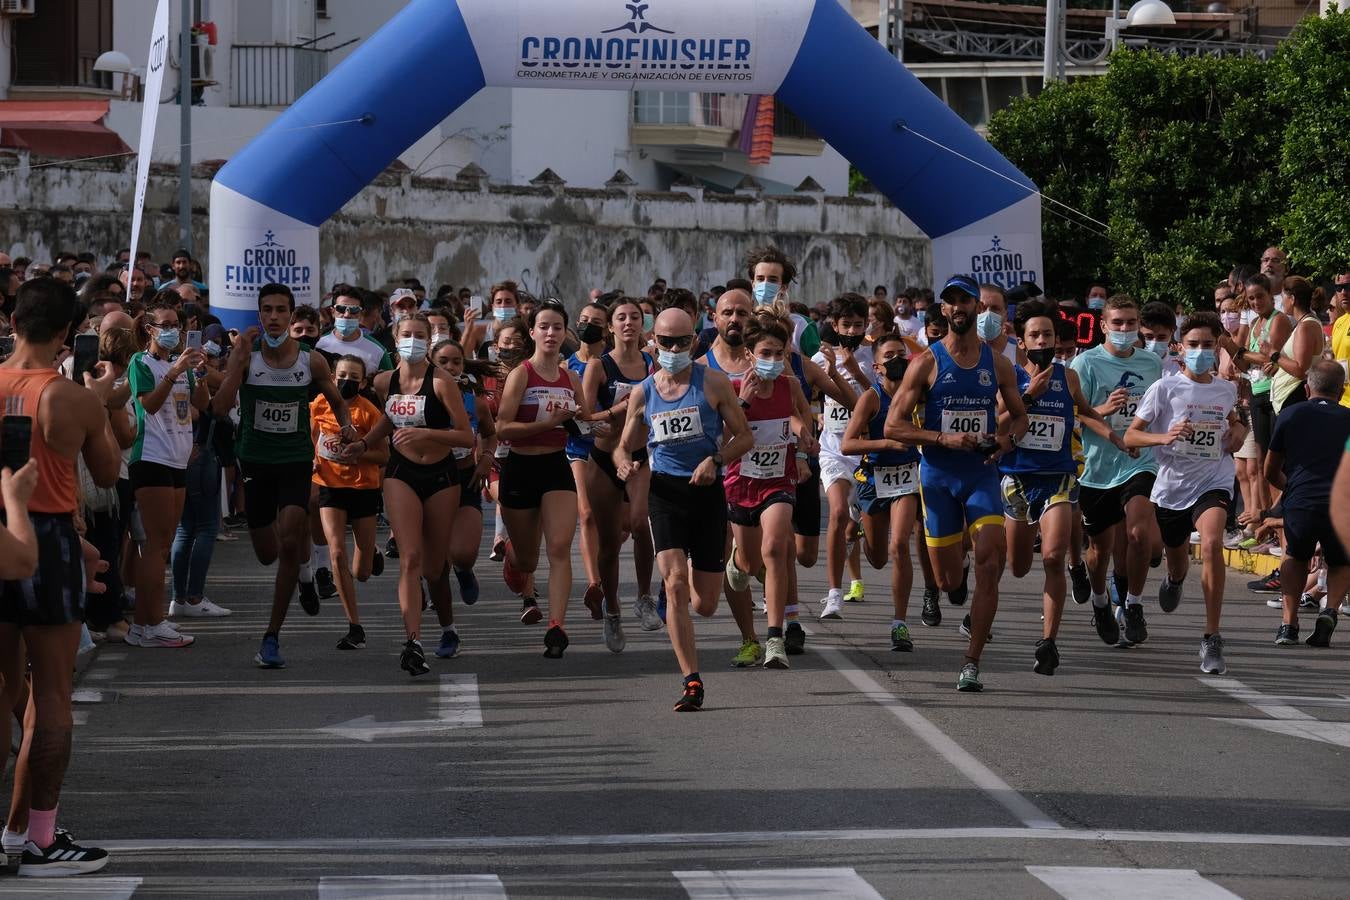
959 381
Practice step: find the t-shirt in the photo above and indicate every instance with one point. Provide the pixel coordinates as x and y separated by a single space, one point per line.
1340 350
1101 373
371 351
329 469
1190 467
1310 435
165 436
837 416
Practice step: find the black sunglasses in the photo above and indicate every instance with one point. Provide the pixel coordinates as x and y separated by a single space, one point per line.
1340 286
347 310
674 341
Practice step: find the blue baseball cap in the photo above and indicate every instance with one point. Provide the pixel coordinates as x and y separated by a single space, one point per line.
963 283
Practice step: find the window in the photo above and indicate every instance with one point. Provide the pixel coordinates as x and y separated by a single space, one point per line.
59 44
660 108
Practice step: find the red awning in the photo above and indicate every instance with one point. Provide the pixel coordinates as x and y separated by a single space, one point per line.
61 129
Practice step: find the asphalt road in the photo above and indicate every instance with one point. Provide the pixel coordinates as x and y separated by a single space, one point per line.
858 773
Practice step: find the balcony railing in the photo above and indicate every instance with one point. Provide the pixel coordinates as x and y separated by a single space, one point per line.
711 111
273 74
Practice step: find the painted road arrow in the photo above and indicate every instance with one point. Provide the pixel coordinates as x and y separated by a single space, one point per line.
1284 719
456 708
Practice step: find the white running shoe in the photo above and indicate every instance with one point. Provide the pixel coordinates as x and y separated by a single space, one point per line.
832 606
163 635
134 633
775 654
614 638
736 579
645 608
203 609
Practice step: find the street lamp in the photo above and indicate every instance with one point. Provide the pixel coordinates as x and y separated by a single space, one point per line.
116 62
1143 14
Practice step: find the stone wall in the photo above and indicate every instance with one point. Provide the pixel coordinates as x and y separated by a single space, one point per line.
553 239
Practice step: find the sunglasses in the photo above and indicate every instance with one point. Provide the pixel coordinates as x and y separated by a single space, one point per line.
674 341
347 310
1340 286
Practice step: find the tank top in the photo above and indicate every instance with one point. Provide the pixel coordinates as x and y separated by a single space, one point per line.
541 400
165 436
681 432
734 376
876 430
20 393
961 401
470 407
579 445
617 385
274 412
331 469
770 466
1283 384
1260 383
421 409
1047 447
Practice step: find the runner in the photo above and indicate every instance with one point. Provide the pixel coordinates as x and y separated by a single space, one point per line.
1192 423
685 411
1066 348
959 382
507 352
592 332
349 492
270 374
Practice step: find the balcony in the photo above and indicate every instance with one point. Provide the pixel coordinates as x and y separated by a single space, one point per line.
712 122
270 75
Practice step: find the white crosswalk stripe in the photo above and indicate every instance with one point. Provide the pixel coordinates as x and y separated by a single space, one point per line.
412 887
1090 883
93 888
779 884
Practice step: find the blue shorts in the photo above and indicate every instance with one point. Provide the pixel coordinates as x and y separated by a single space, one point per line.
958 500
1026 496
864 479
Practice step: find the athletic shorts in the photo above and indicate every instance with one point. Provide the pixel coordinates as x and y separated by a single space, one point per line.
269 487
1263 419
470 497
806 512
864 479
955 502
1104 507
604 461
836 468
1305 529
426 480
1176 525
1026 496
749 516
145 474
55 594
357 503
526 479
691 518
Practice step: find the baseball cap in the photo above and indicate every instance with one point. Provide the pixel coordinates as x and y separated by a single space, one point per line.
963 283
401 294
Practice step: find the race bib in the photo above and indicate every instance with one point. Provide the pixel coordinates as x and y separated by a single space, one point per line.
407 410
896 481
836 416
502 451
676 425
1122 418
276 418
1043 433
964 421
549 401
462 452
769 432
622 389
329 447
1204 442
766 461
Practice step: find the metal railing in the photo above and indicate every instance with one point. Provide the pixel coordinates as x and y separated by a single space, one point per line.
273 74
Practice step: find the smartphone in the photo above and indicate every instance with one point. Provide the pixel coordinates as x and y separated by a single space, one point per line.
16 438
7 346
194 340
86 356
476 304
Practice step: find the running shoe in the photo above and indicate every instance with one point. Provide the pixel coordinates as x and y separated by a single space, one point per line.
795 639
750 654
1117 587
12 846
965 628
614 636
775 654
1104 620
354 639
531 613
1286 636
323 580
449 645
691 700
1047 657
958 596
377 564
498 549
413 659
1248 543
1276 602
645 609
1155 561
1136 629
391 548
1119 613
555 641
162 635
1082 585
1036 543
594 599
62 857
969 680
932 608
833 603
468 585
1308 601
1195 537
514 578
1326 624
269 653
1233 539
309 598
1169 594
204 609
1268 585
855 592
900 639
661 603
737 580
1211 655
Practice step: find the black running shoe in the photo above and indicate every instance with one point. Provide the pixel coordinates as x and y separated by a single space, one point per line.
62 857
309 598
692 698
1104 618
958 596
1155 562
555 642
1082 585
354 639
413 660
1268 585
1326 624
932 608
1036 543
965 628
391 548
377 564
1286 636
1309 602
1136 629
794 637
1047 657
323 581
530 612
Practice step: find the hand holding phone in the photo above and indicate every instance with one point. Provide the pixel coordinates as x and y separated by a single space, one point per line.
16 441
86 356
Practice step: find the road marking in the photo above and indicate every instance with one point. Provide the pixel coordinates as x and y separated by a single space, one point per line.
975 771
306 688
456 707
84 887
1073 883
105 656
784 884
99 676
412 887
1284 719
1256 700
88 696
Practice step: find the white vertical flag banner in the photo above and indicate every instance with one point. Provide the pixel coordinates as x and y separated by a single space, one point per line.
154 78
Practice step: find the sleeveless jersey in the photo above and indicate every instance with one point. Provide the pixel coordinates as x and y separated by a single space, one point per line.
20 394
1047 447
541 400
617 385
420 409
274 412
876 430
961 401
771 465
579 446
681 432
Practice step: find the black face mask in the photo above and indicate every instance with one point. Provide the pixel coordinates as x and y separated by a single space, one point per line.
734 338
348 388
828 335
850 341
895 368
1042 358
590 333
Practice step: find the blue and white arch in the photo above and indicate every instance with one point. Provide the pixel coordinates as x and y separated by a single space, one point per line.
267 204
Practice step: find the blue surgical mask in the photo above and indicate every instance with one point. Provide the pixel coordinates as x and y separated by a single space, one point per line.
768 369
1199 360
414 350
1096 303
648 322
211 348
922 316
275 342
346 327
989 325
169 338
673 362
503 313
765 293
1122 340
1160 348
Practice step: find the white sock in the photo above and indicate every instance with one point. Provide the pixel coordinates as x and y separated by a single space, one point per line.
834 593
1133 600
305 574
1099 600
318 559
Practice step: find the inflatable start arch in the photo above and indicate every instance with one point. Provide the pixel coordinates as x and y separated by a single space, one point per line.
267 204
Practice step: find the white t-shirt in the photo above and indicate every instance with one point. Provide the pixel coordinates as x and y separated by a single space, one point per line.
836 416
1189 468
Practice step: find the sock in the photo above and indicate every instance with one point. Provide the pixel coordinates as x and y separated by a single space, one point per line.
13 839
42 826
896 623
790 613
305 574
1133 600
1099 600
775 632
318 559
834 593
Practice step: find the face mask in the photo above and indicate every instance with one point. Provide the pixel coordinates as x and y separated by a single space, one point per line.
438 336
1122 340
989 325
211 348
648 322
895 368
850 341
1199 361
590 333
765 293
345 327
828 335
1096 303
348 387
168 338
1160 348
275 342
922 316
1231 320
1041 358
673 362
503 313
414 350
768 369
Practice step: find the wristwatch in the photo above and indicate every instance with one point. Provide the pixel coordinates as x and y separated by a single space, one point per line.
1275 358
717 460
1027 399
